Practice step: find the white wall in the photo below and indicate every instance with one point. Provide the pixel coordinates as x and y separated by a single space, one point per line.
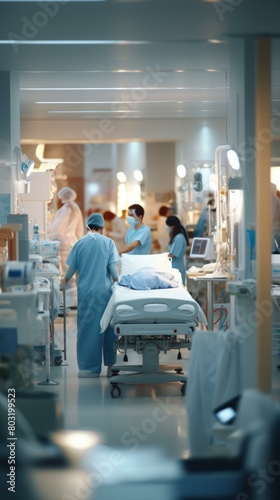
199 139
154 146
98 131
99 173
160 167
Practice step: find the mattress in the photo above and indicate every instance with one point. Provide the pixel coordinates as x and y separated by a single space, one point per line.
151 306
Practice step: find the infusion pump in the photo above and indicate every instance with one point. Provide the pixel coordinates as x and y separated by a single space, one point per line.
202 248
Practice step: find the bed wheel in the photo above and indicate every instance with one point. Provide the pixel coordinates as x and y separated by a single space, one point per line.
57 361
183 389
115 373
179 370
115 391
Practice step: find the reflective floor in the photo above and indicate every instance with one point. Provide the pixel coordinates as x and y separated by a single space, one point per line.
143 414
148 419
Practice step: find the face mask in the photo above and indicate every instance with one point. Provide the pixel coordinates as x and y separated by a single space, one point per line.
168 229
131 221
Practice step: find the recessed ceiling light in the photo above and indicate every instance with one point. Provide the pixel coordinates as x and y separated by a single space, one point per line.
74 42
106 102
90 111
64 89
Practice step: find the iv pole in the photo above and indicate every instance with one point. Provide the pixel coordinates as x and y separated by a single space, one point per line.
221 245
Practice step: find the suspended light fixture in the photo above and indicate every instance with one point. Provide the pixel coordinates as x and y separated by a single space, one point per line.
233 159
181 171
121 177
138 175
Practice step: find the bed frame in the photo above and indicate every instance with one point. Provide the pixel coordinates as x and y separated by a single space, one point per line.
149 325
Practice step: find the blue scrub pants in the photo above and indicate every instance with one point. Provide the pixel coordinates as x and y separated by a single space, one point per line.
90 350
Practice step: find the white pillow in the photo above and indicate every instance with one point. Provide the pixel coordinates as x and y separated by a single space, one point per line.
132 263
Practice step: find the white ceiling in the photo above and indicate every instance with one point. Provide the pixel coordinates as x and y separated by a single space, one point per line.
141 59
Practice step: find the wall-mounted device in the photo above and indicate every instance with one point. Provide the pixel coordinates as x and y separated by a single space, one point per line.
197 185
27 165
15 273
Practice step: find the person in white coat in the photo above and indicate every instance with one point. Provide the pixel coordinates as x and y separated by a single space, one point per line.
67 227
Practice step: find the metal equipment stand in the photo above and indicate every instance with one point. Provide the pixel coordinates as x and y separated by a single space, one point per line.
62 287
210 282
48 380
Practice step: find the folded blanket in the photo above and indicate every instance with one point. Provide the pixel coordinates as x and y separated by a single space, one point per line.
148 278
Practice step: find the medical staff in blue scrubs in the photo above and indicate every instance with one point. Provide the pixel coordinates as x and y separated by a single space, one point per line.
94 258
201 228
139 236
177 245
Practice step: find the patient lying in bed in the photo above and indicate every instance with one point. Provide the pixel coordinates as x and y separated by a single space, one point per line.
148 278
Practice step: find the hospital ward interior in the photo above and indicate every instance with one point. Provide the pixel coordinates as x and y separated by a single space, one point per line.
173 107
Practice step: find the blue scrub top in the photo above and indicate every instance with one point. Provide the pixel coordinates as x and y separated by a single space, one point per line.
201 226
178 248
91 257
144 235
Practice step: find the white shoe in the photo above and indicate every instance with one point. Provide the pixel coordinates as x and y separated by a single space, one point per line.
87 374
109 371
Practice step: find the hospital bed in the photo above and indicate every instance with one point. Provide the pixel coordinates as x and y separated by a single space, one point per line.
150 321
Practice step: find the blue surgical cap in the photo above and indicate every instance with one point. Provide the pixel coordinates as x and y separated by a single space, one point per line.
95 220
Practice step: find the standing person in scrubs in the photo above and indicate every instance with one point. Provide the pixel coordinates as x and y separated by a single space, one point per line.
162 235
177 245
115 229
139 236
201 228
94 258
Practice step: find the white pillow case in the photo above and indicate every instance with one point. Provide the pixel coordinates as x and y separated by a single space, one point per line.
132 263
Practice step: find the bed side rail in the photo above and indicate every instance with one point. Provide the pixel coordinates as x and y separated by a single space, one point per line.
155 310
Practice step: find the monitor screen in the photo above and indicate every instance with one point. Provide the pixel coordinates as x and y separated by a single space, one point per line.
226 413
200 248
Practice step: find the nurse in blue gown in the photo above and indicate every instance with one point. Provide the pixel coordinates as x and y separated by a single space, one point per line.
94 258
177 245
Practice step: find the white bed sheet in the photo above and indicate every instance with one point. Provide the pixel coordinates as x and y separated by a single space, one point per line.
125 294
